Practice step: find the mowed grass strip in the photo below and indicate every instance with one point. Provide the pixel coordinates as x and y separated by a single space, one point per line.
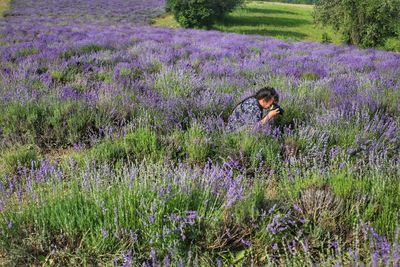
4 5
279 20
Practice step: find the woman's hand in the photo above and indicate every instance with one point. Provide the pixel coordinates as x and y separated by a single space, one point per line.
272 114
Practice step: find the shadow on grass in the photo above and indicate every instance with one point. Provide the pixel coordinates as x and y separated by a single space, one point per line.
267 11
230 21
277 33
282 34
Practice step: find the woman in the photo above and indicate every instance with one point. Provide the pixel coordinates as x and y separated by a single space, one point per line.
250 110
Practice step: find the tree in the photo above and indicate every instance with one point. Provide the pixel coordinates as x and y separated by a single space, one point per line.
200 13
367 23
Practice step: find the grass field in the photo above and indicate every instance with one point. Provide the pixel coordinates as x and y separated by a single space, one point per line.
280 20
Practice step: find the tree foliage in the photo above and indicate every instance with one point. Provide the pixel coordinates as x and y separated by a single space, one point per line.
200 13
367 23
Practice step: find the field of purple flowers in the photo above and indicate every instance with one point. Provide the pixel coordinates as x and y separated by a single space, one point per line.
114 150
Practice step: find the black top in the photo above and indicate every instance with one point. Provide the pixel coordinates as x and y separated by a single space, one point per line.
247 113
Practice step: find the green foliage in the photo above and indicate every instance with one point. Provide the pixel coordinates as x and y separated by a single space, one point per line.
138 144
295 112
326 39
393 43
27 51
174 83
367 23
50 124
107 151
106 213
84 49
169 5
4 5
193 145
250 149
103 76
197 145
57 75
133 72
38 85
200 13
143 143
371 198
67 75
310 76
21 156
154 67
82 221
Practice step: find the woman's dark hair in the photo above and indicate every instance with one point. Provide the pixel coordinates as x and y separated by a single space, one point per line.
266 93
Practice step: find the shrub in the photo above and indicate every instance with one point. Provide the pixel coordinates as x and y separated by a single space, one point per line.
326 39
250 149
38 85
139 144
67 75
50 124
294 112
200 13
84 49
198 147
174 83
319 205
27 51
107 151
19 156
193 145
143 143
367 23
103 76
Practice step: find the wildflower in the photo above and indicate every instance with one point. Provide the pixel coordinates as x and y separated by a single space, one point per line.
104 232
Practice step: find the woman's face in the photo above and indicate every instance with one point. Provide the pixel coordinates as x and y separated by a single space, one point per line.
267 103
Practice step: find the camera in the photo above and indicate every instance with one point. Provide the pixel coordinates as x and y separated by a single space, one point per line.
276 106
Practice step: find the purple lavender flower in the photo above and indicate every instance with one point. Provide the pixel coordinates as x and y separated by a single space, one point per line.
104 232
153 256
246 242
335 246
167 261
9 224
219 262
297 207
191 217
128 259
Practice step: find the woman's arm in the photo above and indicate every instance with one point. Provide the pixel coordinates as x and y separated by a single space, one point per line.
269 116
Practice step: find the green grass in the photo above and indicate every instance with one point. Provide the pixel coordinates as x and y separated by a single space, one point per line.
393 44
4 5
279 20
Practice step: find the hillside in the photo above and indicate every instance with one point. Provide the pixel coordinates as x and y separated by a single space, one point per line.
285 21
279 20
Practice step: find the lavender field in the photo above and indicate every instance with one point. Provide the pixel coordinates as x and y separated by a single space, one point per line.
114 152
